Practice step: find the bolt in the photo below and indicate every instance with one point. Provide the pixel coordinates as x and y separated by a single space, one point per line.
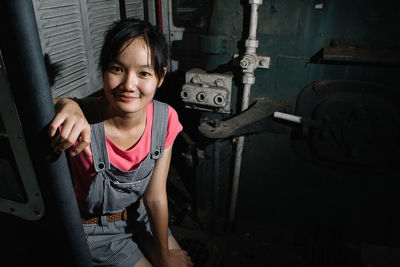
219 82
263 62
196 79
245 62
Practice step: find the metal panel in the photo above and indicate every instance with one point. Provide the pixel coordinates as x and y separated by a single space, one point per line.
31 207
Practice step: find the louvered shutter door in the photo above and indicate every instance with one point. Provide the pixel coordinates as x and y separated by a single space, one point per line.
134 9
71 33
100 14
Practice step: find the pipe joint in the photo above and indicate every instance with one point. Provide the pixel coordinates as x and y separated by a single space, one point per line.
251 43
257 2
248 62
249 79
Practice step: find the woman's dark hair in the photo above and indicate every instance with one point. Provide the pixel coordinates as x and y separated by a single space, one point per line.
128 30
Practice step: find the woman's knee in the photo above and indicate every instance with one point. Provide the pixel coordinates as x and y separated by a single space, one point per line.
172 243
143 263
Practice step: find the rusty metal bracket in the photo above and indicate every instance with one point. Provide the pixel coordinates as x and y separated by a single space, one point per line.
257 118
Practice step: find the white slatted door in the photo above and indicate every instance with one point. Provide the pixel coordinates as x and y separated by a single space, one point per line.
71 33
100 14
134 9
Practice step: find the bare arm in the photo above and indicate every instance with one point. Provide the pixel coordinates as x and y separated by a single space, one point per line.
155 199
75 128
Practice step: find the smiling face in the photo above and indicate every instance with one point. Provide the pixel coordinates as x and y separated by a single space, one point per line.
130 81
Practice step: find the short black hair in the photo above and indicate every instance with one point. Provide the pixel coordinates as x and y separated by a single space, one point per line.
127 30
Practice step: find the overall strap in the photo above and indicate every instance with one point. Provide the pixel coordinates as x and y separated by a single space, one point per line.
99 148
91 108
159 129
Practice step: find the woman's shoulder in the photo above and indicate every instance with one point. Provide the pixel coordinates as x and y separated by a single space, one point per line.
173 118
172 113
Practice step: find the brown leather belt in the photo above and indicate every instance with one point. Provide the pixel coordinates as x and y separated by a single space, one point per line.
110 218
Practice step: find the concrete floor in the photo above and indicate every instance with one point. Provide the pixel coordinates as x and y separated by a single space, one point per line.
253 243
254 249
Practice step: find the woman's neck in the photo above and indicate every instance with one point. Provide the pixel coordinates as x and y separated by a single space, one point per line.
123 129
119 120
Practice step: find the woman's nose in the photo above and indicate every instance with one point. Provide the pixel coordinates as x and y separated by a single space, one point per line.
130 82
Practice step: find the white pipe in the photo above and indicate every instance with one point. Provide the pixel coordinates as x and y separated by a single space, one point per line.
238 159
235 180
246 95
253 21
248 80
287 117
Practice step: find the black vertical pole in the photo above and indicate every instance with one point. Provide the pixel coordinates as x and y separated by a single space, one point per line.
23 58
122 9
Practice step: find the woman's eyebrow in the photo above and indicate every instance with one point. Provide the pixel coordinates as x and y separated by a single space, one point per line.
116 61
145 66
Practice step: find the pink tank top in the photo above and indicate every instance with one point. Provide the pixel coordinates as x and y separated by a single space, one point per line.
82 168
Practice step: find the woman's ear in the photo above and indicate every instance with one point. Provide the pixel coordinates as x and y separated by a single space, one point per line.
160 81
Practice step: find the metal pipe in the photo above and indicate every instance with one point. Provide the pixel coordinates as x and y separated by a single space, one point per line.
287 117
236 178
249 65
253 20
238 160
216 180
23 58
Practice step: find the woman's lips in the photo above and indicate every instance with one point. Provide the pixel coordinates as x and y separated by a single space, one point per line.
125 98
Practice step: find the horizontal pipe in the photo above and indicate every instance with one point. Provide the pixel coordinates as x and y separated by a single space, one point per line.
287 117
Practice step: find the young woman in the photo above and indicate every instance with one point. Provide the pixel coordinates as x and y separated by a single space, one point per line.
120 179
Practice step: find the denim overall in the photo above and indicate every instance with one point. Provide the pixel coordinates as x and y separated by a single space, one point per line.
117 243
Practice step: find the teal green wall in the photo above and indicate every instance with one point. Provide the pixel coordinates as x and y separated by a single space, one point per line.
277 188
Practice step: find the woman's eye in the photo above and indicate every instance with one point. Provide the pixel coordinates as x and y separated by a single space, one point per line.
116 69
144 73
